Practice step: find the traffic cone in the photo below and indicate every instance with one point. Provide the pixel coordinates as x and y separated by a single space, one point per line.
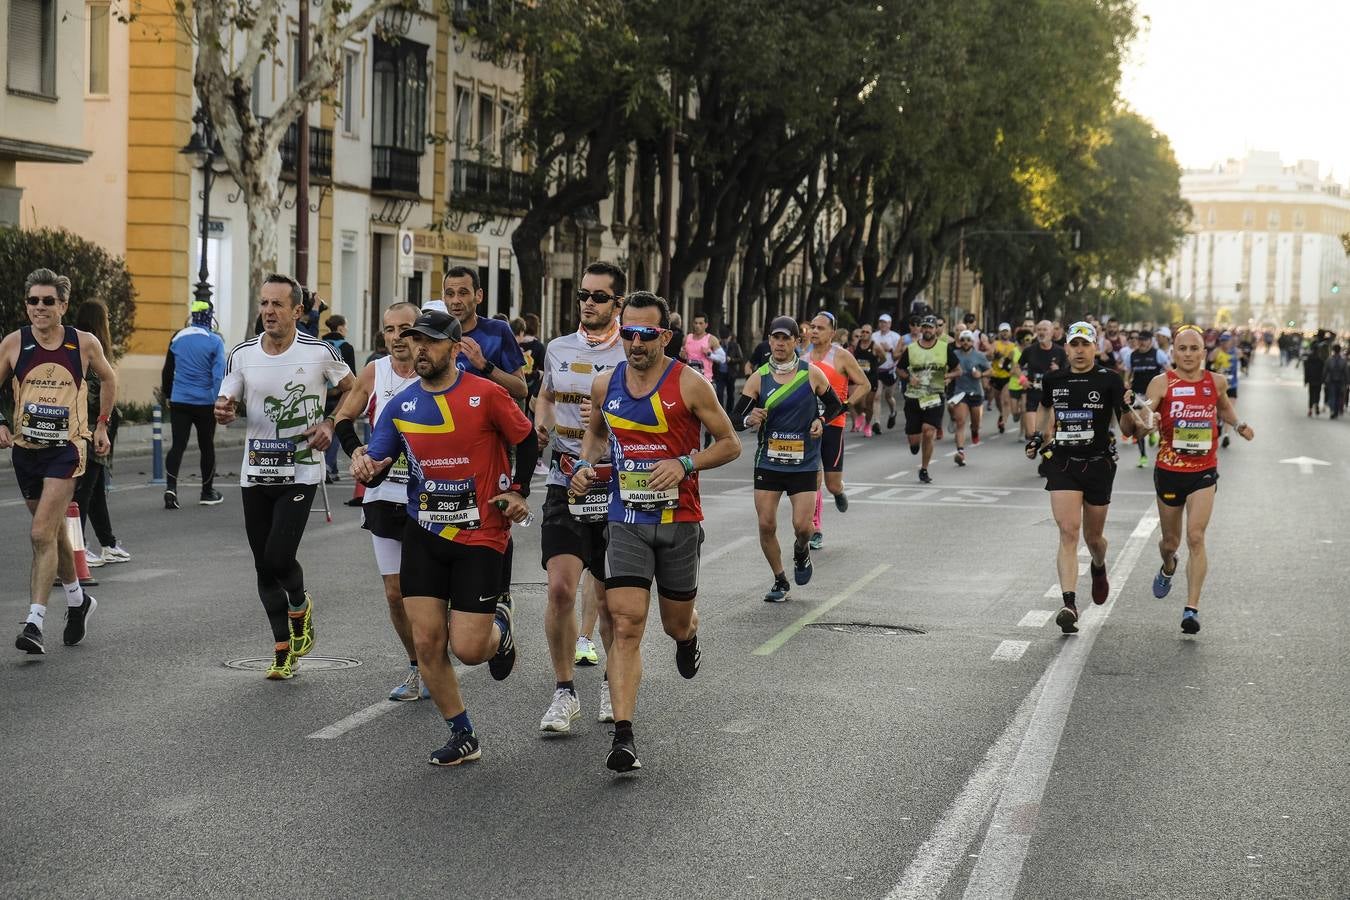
76 533
358 495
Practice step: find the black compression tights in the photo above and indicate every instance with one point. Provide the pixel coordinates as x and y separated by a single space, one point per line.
275 516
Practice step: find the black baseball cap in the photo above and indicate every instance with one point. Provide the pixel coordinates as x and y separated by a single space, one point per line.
785 324
437 325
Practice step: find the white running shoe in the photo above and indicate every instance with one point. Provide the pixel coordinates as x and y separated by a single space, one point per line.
606 713
564 708
93 560
411 688
115 554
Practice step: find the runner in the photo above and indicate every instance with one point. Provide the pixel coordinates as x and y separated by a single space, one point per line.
383 507
926 366
699 345
49 362
653 408
842 371
783 401
573 534
1039 359
968 400
1191 404
1078 462
455 428
1223 360
886 341
1143 363
869 357
282 377
1003 368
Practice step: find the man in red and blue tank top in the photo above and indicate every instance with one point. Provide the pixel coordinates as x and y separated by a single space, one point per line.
652 408
48 361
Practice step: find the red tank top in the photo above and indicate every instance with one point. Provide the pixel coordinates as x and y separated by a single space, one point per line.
1188 424
643 431
838 380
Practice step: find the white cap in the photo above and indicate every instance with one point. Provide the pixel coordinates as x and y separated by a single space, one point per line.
1082 331
1004 326
1163 330
884 317
966 335
438 305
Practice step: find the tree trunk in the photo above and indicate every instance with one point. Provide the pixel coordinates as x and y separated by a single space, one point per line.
528 243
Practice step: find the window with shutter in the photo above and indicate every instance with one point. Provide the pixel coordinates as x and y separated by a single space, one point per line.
32 47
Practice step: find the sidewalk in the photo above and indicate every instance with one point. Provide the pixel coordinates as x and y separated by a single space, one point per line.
137 441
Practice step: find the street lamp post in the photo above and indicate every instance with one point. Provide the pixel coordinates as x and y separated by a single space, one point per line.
205 147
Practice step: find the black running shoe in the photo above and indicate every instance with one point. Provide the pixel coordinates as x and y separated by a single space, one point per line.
841 501
779 592
925 477
960 457
212 497
1067 620
687 656
505 659
1190 621
1000 425
622 756
76 619
461 748
1101 587
890 421
30 639
171 500
801 565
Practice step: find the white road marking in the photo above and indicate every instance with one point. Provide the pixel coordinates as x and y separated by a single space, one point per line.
1305 463
1011 778
727 548
355 720
786 634
1037 618
1010 650
901 474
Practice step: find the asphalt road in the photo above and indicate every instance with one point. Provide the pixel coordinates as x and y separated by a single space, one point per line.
980 755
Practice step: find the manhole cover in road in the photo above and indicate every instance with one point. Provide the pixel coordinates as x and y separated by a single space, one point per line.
307 664
868 628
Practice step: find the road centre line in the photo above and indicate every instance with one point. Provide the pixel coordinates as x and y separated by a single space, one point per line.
1010 650
787 633
1037 618
1012 777
901 474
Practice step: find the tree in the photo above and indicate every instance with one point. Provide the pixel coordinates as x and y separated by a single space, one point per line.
233 38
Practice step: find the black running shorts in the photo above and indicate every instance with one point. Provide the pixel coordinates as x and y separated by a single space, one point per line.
1174 487
832 449
384 519
916 417
1092 477
785 482
562 535
468 577
32 466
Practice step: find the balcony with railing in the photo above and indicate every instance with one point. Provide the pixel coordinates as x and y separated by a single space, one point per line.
320 153
395 170
463 12
476 185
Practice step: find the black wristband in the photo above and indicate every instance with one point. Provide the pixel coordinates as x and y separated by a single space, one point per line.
488 366
346 435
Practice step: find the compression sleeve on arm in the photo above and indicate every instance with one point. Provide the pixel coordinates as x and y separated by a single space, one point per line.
527 455
834 407
743 406
346 435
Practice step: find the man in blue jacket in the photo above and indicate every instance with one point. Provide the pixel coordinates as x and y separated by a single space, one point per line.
193 370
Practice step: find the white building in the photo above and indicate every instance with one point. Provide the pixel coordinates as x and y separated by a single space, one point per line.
1264 247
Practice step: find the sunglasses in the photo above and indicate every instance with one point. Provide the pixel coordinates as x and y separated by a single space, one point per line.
45 301
640 332
597 296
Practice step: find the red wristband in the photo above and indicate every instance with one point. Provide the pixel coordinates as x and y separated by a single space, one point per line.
104 419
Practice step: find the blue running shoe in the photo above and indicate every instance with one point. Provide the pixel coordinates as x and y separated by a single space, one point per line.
801 565
779 592
1162 583
1190 621
411 688
461 748
817 541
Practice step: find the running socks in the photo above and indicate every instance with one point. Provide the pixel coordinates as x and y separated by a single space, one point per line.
1071 599
37 613
74 593
568 686
460 723
623 730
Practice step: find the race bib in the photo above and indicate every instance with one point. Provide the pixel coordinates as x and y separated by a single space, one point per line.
43 424
787 447
398 472
1036 380
452 503
635 493
1073 426
592 506
930 401
865 364
1194 437
270 461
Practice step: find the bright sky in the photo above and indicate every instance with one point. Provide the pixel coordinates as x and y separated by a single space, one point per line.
1219 77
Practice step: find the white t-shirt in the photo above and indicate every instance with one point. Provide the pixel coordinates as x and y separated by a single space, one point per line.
887 341
570 367
283 396
394 488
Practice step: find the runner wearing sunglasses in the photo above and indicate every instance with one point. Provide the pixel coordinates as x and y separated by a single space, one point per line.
652 410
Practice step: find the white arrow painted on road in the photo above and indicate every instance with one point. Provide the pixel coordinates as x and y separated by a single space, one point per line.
1305 463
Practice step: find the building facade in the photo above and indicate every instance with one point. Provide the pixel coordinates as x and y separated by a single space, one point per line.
1264 246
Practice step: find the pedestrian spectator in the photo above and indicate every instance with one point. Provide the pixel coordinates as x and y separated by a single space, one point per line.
189 384
758 356
1314 368
732 369
675 349
337 336
309 319
91 491
1335 377
533 350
